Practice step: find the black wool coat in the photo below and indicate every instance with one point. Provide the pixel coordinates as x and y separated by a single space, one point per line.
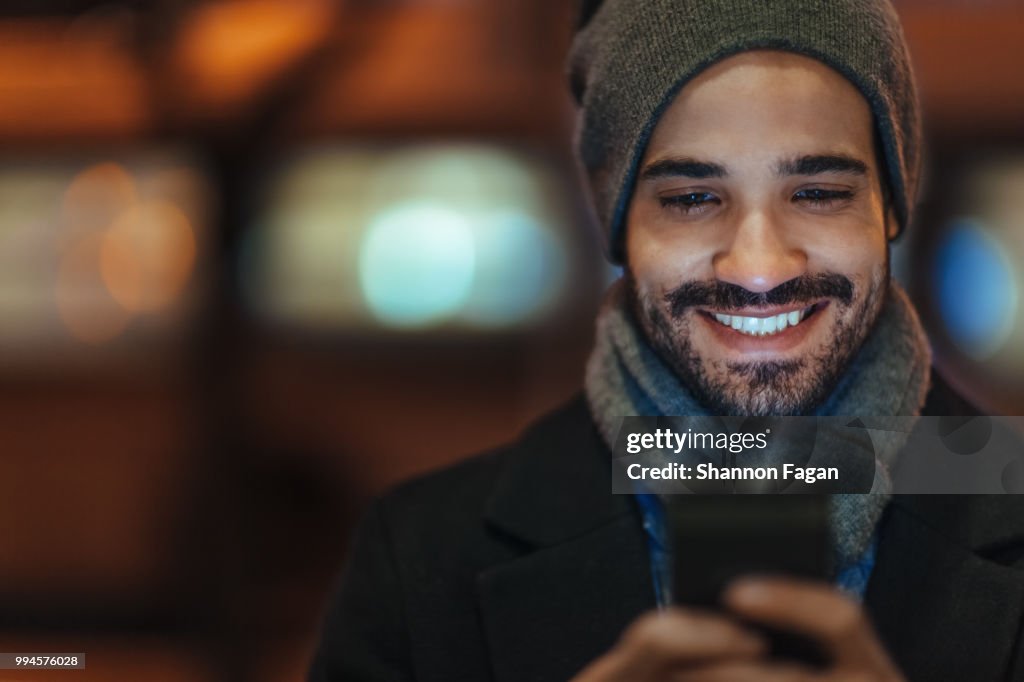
520 565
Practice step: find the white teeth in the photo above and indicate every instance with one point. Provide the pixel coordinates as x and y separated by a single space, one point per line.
763 326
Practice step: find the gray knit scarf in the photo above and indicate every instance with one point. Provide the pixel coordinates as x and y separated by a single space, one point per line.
888 377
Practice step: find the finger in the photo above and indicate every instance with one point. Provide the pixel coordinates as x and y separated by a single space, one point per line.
673 637
747 671
814 609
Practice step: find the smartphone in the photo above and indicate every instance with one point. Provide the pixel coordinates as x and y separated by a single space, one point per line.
717 538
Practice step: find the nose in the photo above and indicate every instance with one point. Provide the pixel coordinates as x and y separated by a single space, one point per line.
758 256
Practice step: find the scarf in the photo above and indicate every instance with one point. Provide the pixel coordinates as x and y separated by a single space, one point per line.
888 376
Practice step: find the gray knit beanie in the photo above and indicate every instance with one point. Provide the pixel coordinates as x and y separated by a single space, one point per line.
630 58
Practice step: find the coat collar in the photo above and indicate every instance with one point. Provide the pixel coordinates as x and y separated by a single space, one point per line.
943 596
557 483
584 574
550 612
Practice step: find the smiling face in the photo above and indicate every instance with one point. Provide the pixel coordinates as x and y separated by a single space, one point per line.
756 239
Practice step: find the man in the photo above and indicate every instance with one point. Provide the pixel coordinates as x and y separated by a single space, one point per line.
750 163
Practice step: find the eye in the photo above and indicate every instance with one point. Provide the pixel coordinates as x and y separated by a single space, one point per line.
823 198
690 202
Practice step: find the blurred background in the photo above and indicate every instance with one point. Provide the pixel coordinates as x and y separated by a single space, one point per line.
262 259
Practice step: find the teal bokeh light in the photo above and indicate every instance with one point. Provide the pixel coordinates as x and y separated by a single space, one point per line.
520 269
446 237
416 264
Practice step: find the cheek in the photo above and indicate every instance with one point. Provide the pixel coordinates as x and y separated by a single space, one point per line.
662 257
856 253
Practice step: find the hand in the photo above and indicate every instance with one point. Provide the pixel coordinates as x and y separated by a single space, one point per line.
690 645
823 613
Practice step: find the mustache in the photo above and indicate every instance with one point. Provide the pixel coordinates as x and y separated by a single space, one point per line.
726 296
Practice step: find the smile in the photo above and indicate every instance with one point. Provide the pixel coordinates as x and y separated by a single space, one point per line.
764 326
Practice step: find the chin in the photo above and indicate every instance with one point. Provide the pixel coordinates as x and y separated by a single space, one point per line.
762 384
770 388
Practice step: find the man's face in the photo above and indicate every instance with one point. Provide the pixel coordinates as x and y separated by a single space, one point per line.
757 235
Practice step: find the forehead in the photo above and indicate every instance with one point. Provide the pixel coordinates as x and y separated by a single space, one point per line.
765 104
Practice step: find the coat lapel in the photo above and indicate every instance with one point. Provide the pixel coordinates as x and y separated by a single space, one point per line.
549 613
940 601
584 572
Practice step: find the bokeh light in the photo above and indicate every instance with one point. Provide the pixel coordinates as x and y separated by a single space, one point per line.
977 288
147 256
459 236
519 265
96 197
86 307
93 249
416 264
229 49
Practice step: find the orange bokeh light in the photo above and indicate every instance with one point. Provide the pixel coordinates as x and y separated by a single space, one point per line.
147 255
228 50
87 309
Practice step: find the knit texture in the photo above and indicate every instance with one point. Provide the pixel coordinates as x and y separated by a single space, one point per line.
888 377
631 57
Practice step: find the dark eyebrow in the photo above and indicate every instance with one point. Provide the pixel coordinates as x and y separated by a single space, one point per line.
822 163
689 168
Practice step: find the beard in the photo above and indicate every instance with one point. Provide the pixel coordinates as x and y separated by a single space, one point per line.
791 386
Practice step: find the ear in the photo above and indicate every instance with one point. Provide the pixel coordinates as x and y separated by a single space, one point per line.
892 224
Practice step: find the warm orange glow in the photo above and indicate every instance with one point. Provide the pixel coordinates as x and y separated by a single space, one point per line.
147 256
229 49
88 311
967 59
57 82
443 65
